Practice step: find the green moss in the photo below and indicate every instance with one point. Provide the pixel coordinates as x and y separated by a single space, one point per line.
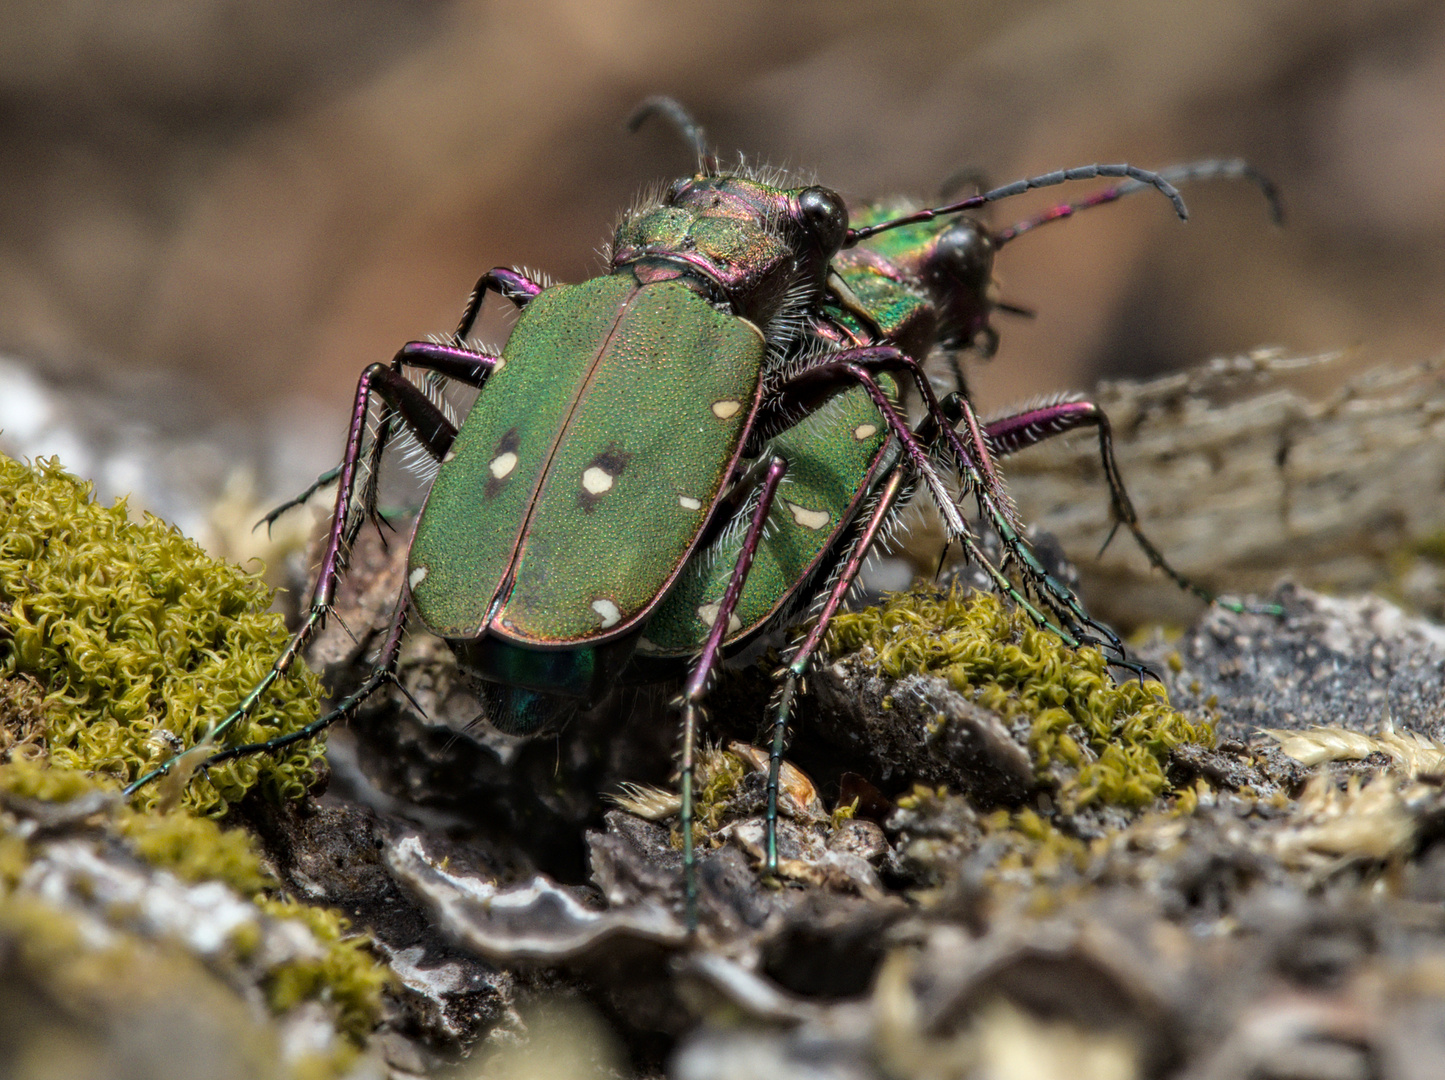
34 780
1108 742
197 849
120 643
720 776
345 975
140 641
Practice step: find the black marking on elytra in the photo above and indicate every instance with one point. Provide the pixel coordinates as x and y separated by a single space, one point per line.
507 444
611 461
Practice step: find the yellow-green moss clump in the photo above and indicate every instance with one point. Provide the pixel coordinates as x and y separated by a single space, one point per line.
140 641
120 644
1113 739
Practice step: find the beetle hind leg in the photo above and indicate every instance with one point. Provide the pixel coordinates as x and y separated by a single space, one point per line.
383 671
1029 427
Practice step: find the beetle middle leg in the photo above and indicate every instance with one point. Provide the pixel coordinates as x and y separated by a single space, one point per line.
449 361
454 361
383 671
706 664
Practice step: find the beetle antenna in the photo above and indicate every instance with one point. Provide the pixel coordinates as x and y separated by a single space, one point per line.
1018 187
1211 169
670 109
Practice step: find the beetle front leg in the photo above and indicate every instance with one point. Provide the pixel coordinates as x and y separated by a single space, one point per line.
953 519
975 461
839 367
831 369
704 667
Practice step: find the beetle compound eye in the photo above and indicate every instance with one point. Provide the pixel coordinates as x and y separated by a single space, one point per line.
825 216
964 253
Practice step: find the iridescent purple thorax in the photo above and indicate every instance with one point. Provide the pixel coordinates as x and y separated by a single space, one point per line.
753 244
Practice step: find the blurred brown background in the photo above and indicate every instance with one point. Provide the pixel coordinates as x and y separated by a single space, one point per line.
268 195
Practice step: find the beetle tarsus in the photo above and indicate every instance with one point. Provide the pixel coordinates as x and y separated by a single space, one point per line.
326 479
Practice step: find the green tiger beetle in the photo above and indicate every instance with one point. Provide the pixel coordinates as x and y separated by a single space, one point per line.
626 451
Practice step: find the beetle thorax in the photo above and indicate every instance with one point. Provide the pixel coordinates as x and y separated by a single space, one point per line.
759 247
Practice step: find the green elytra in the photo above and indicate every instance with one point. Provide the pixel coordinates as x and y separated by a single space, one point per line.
575 450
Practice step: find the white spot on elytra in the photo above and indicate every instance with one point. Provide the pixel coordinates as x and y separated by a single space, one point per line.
808 519
449 456
687 502
417 577
503 464
865 431
726 408
596 480
708 614
608 610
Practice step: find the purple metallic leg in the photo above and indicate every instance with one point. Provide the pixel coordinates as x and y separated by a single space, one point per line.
798 666
345 524
464 365
435 432
921 463
856 365
515 285
977 464
706 663
453 361
993 502
1010 434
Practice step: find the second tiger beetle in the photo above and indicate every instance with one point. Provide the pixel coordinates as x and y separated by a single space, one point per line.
929 286
661 463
